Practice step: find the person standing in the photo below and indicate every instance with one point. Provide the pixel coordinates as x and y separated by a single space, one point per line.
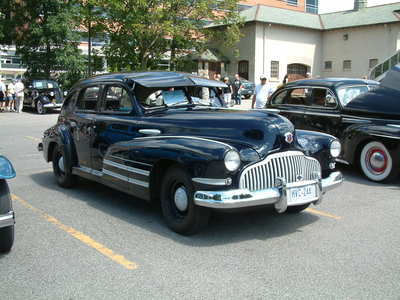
236 87
227 91
19 95
11 96
2 95
261 93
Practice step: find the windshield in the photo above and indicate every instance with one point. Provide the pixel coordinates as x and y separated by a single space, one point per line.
44 84
346 94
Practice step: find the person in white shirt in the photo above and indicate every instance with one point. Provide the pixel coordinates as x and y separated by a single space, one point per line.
19 95
2 95
261 93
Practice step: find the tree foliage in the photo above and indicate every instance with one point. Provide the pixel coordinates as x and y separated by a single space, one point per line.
142 31
46 38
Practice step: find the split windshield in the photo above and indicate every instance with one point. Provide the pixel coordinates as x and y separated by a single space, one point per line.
346 94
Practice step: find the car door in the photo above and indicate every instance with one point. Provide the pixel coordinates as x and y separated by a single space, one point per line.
290 103
82 124
323 113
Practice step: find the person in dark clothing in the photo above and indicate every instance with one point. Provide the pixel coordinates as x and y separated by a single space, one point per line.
236 87
227 91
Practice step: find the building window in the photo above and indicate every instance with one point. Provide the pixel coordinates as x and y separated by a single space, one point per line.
346 65
373 62
328 65
291 2
312 6
274 69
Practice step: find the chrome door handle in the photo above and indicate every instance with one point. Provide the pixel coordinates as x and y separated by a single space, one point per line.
150 131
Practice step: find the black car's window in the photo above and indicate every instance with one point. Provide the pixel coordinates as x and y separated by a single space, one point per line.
298 96
153 98
348 93
68 103
117 100
322 98
44 84
204 96
88 99
279 98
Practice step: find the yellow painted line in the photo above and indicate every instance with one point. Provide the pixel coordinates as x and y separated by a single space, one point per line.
33 138
87 240
321 213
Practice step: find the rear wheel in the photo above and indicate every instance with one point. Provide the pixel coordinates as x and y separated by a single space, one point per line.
64 177
6 233
178 208
377 163
297 208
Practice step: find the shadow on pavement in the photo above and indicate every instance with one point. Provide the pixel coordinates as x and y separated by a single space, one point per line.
224 228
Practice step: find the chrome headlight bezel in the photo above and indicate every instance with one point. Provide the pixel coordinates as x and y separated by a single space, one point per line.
232 160
335 148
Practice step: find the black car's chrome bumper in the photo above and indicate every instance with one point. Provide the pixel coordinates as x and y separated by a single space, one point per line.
7 219
52 105
239 198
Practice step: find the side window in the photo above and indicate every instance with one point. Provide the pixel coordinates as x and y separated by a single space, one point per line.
280 98
322 98
68 104
88 99
117 100
298 96
204 96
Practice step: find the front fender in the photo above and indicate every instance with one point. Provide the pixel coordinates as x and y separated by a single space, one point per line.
199 157
7 170
317 145
359 134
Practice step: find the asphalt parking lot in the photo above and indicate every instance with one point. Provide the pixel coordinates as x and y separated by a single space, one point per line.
92 242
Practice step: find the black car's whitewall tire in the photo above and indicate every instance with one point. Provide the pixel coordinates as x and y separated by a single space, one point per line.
6 233
377 163
64 177
40 109
178 208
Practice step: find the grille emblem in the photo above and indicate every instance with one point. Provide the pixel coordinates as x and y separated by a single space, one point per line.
288 137
299 177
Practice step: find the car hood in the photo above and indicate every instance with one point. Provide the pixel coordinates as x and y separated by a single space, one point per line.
259 130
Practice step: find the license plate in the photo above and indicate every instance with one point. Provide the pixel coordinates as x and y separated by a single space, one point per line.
302 194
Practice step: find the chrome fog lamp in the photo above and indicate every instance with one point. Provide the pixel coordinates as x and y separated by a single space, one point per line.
335 148
232 160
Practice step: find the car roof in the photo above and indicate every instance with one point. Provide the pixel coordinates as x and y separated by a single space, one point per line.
156 79
331 82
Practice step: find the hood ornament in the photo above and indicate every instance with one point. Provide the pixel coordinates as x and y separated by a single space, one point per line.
288 137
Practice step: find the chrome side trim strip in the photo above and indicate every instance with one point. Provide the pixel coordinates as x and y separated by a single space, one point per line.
184 137
150 131
132 161
127 168
127 179
7 219
213 181
90 171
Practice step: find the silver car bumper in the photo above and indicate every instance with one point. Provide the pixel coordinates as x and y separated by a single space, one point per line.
7 219
278 196
53 105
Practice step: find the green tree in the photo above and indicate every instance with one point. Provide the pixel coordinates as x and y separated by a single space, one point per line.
46 38
141 32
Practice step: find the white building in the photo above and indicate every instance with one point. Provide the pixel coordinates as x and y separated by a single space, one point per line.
277 41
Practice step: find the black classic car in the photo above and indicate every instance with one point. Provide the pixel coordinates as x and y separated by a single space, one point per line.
42 95
363 114
161 136
6 210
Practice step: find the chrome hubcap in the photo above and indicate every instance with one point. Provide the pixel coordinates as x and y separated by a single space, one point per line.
61 164
377 160
181 199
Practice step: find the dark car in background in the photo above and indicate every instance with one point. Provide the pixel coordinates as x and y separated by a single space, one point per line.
6 209
363 114
42 95
158 136
248 89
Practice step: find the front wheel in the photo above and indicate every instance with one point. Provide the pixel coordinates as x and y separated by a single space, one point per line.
40 109
64 177
376 162
6 238
177 204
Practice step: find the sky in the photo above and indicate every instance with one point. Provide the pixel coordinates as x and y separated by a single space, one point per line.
326 6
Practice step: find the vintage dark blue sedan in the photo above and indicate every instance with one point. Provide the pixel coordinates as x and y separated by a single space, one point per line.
164 136
6 210
363 114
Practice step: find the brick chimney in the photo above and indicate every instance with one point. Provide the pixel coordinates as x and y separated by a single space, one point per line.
360 4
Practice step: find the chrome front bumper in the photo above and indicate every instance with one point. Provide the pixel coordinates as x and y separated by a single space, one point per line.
53 105
7 219
239 198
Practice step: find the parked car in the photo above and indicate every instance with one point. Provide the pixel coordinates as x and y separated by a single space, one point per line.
248 89
6 210
42 95
158 136
364 115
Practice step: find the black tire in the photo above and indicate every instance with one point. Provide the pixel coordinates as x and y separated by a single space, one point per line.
6 233
297 208
190 220
64 178
40 109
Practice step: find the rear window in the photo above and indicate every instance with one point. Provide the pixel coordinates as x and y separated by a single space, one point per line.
87 100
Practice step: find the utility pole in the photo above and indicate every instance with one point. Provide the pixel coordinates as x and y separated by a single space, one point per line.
90 41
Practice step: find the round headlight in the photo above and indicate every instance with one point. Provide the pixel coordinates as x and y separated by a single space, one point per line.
232 160
335 148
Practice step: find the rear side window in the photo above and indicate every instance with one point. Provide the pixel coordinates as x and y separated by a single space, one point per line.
88 98
298 96
117 100
68 103
322 98
280 98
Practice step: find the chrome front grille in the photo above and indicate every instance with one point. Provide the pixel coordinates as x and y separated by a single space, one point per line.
292 166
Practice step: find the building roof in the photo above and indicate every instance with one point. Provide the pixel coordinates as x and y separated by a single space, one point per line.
381 14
